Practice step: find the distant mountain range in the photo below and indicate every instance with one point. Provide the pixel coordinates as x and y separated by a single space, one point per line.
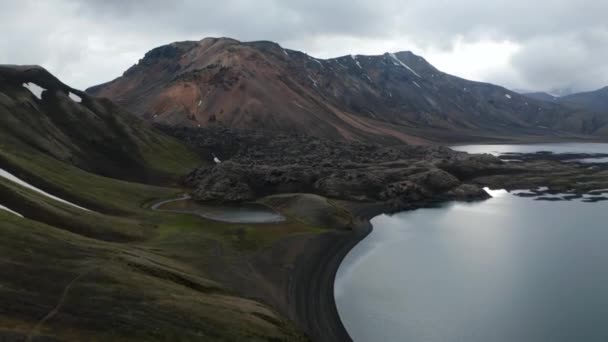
389 97
590 102
541 96
596 101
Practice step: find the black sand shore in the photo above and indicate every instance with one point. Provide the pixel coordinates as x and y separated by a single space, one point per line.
304 291
311 292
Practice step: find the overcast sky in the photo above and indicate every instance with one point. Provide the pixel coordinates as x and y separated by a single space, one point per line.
521 44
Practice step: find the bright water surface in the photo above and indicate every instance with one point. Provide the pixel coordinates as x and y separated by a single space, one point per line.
244 213
502 270
532 148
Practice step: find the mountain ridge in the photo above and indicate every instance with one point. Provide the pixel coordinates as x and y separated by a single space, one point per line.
541 95
40 115
595 100
397 97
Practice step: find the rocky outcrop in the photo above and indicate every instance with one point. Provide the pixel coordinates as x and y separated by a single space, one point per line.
264 164
258 164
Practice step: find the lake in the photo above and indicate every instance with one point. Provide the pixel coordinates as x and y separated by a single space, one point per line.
502 270
242 213
497 150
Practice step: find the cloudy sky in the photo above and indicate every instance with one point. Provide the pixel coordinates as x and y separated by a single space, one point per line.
547 45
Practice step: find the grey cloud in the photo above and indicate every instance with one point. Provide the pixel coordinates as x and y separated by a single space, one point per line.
267 19
87 42
575 61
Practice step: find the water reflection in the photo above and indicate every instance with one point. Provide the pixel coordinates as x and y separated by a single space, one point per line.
532 148
242 213
506 269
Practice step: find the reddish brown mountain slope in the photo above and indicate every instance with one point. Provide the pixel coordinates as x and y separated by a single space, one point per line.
396 97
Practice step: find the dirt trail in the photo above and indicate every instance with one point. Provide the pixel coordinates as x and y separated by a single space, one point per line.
57 308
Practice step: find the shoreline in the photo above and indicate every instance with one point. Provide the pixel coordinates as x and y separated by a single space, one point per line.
533 140
295 275
539 142
307 289
311 300
320 318
155 206
304 290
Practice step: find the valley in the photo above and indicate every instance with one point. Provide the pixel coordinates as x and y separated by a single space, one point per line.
303 171
129 221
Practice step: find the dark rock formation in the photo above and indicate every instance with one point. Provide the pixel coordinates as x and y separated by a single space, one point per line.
261 163
258 164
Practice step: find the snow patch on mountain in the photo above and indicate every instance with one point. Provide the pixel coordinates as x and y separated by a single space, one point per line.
356 61
75 97
340 64
10 211
314 82
35 89
394 57
12 178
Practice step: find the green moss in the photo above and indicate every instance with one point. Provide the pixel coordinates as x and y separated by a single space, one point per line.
76 185
310 209
95 135
117 292
141 274
169 156
247 237
152 285
122 272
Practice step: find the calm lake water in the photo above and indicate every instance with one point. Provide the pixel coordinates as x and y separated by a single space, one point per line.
502 270
244 213
532 148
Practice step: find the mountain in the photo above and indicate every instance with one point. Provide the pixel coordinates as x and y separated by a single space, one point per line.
86 246
396 97
41 115
83 251
541 96
596 101
593 101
